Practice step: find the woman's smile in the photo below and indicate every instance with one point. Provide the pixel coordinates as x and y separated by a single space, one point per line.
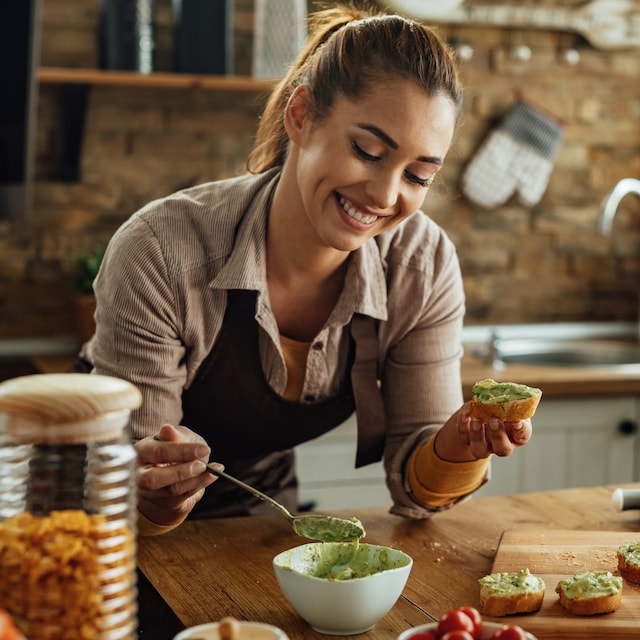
355 214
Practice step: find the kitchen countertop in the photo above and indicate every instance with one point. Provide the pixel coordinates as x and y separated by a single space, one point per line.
554 381
207 569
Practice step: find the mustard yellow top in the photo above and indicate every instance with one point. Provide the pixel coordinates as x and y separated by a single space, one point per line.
436 482
295 357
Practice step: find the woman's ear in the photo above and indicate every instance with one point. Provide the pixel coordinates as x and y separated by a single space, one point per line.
297 113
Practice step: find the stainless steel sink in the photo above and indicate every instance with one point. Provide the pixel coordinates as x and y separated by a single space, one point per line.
569 353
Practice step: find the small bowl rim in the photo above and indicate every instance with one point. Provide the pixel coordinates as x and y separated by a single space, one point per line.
187 634
408 565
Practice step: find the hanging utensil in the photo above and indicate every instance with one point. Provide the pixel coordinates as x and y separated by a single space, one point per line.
606 24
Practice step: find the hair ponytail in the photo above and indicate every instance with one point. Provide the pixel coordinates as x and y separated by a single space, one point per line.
347 49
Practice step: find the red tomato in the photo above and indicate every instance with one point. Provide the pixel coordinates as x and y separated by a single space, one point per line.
455 620
509 632
476 618
457 635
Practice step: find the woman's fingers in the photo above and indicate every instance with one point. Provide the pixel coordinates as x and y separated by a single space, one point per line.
494 436
178 477
172 445
478 441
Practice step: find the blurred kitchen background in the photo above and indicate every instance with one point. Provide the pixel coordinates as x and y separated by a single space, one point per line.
100 151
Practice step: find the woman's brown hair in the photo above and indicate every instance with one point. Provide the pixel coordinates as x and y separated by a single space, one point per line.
347 50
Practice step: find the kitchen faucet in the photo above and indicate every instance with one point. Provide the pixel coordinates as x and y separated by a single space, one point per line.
611 202
608 209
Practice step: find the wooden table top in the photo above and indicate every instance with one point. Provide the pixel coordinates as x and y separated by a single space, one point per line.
205 570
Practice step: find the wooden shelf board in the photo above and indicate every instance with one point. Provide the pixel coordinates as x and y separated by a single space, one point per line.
63 75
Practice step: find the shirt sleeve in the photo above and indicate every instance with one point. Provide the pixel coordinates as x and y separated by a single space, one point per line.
436 482
138 330
422 342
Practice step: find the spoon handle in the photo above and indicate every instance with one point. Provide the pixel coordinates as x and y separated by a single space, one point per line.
252 490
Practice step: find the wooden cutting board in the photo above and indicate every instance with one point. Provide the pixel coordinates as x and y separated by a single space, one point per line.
557 554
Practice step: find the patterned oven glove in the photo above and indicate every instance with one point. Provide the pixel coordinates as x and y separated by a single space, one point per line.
516 156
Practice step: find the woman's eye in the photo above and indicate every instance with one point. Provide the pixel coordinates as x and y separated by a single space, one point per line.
361 153
421 182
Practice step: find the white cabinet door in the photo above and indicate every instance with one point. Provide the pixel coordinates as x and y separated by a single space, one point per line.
575 443
328 477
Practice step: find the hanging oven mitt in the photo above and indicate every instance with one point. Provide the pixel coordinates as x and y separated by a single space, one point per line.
516 156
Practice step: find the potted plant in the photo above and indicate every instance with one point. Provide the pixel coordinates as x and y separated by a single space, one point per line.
84 302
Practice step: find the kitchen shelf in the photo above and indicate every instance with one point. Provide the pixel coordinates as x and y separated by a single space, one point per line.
162 80
75 85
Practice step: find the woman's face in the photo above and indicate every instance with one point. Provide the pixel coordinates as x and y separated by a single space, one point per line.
368 165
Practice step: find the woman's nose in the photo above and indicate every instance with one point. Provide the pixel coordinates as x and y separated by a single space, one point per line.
384 190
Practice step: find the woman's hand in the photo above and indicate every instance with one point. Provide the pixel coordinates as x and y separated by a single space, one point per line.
173 474
463 438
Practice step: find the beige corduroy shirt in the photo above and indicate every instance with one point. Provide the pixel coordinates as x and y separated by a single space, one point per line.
161 295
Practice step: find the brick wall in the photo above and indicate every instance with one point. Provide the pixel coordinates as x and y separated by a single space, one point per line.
542 264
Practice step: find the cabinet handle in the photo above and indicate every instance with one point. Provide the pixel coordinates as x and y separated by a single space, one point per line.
628 427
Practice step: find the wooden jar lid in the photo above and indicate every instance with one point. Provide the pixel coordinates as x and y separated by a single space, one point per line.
66 407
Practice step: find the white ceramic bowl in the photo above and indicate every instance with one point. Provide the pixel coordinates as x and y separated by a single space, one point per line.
248 631
488 629
340 588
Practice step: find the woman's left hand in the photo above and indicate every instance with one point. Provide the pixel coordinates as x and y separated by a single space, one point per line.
463 438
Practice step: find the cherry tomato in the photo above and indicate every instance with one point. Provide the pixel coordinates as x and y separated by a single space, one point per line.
476 618
457 635
509 632
455 620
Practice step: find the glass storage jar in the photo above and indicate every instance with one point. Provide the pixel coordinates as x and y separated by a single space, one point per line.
68 506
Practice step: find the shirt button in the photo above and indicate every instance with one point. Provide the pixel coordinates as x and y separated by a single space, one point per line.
318 346
309 398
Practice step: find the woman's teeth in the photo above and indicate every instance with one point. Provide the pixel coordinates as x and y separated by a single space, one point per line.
355 214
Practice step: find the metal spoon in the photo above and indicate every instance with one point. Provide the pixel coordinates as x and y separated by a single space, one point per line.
313 526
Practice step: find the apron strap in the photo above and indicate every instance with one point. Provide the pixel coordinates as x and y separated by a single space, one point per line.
370 413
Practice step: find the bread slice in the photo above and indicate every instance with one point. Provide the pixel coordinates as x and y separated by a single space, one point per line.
508 401
508 593
629 561
590 593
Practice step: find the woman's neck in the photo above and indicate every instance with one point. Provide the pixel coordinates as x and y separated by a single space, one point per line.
305 279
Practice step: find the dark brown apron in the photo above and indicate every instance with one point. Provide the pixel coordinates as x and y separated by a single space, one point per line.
249 427
252 430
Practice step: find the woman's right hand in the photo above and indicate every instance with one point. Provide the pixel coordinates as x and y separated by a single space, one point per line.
173 475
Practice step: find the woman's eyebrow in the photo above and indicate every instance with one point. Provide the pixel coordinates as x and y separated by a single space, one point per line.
390 142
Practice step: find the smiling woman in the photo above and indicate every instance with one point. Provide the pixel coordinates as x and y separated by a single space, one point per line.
260 312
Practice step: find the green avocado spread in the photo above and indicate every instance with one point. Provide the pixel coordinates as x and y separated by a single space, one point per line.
511 583
328 528
591 584
489 391
631 551
349 561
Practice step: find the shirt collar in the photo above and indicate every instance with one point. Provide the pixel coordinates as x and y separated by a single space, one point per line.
365 289
246 265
